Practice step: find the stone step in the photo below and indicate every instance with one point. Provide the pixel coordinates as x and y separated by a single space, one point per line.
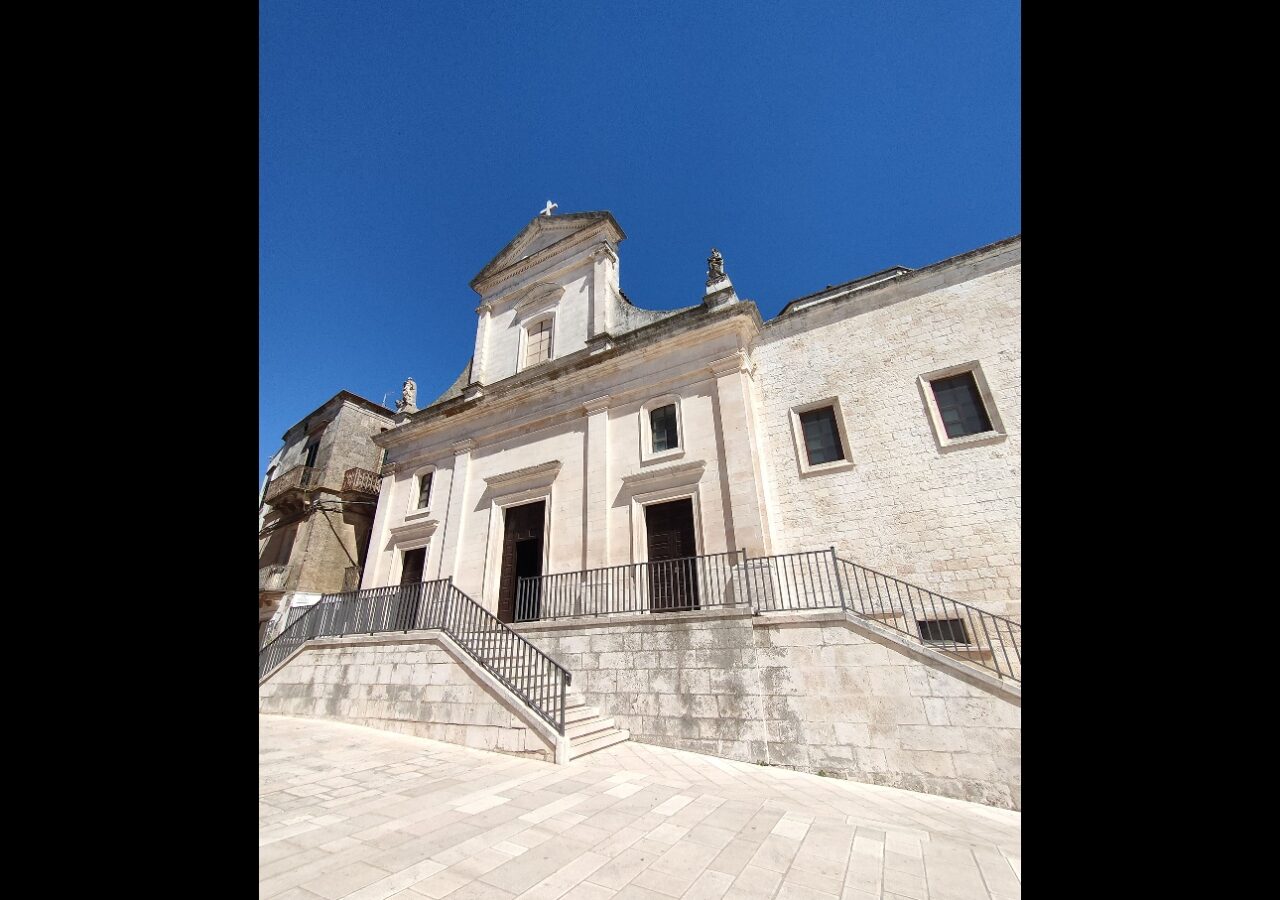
578 713
597 742
585 728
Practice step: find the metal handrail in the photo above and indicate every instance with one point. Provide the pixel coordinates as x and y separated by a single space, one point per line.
983 638
670 585
784 582
525 670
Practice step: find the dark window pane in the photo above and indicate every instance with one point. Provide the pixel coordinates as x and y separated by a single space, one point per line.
663 421
821 439
312 450
960 405
424 491
949 630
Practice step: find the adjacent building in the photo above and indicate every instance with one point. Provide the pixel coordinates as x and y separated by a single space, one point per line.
316 510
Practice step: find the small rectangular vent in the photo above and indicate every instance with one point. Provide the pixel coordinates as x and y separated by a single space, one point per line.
950 631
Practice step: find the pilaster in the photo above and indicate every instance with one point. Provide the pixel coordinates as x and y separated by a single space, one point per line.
740 450
595 499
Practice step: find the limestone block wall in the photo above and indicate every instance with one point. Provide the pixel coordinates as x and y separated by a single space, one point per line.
811 693
947 519
413 686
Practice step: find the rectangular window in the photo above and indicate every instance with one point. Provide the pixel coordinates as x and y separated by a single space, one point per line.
539 348
960 405
948 630
821 437
663 425
424 490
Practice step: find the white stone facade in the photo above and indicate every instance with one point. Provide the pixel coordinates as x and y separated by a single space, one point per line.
573 432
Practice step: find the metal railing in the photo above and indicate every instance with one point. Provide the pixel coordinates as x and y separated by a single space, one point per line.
786 582
671 585
303 477
361 481
985 639
273 577
525 670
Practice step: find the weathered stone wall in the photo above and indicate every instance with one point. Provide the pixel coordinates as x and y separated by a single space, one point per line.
946 519
811 693
410 685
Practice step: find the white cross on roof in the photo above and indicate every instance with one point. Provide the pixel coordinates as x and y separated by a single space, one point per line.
550 206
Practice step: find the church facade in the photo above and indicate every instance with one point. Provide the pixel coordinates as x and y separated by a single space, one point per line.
879 417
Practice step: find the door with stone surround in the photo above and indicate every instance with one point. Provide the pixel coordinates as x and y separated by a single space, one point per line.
673 575
521 554
410 574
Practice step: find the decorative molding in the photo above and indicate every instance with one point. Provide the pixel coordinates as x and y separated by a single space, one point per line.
485 307
411 530
465 446
606 250
739 362
691 471
599 404
536 295
551 467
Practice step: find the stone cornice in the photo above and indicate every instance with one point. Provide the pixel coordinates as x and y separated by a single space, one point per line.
735 362
599 404
420 528
679 470
461 447
551 467
579 370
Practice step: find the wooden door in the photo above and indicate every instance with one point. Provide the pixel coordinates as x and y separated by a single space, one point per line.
673 574
521 555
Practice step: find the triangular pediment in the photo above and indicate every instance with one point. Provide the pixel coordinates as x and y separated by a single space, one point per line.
540 234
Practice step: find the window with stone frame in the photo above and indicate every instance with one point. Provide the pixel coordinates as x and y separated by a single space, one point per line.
821 436
538 344
663 427
960 405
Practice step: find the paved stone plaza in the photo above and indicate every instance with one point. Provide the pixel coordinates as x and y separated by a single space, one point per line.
356 813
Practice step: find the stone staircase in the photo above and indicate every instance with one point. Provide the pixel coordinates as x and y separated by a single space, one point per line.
587 729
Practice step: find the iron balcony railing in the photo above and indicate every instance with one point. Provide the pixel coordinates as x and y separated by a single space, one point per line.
273 577
525 670
299 477
787 582
671 585
361 481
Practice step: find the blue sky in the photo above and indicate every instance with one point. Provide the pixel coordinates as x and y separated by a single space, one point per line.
402 144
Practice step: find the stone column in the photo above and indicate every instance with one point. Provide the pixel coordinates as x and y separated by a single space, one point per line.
595 487
602 259
452 540
485 311
738 447
375 562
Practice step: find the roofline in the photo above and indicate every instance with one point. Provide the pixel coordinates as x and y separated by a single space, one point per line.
596 215
876 278
344 395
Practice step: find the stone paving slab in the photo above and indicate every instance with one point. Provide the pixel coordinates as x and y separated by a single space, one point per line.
351 813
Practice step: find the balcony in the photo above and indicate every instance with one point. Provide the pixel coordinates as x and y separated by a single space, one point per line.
273 577
361 481
300 478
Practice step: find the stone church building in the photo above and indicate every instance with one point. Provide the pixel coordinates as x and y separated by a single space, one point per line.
792 541
879 417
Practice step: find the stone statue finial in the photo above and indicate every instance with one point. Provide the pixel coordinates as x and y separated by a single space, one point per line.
408 401
715 267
